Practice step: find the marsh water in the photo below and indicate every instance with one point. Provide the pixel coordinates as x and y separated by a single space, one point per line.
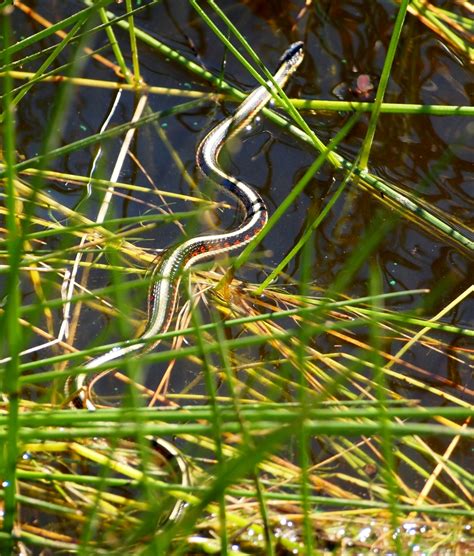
345 47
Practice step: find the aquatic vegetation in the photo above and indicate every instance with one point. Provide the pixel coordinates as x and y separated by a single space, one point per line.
317 382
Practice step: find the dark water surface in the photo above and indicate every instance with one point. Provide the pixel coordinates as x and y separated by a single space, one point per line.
429 155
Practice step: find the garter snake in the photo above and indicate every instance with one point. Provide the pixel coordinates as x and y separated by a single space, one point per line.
166 275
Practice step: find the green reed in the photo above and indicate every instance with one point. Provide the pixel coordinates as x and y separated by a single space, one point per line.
249 445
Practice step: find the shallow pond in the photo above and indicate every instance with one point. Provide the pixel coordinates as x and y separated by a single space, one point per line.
345 48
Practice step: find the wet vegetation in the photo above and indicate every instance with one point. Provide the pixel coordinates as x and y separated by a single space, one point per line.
319 384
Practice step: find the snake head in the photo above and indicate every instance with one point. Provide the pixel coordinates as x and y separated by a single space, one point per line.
293 55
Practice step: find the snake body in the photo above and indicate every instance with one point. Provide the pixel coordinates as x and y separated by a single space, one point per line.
166 275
